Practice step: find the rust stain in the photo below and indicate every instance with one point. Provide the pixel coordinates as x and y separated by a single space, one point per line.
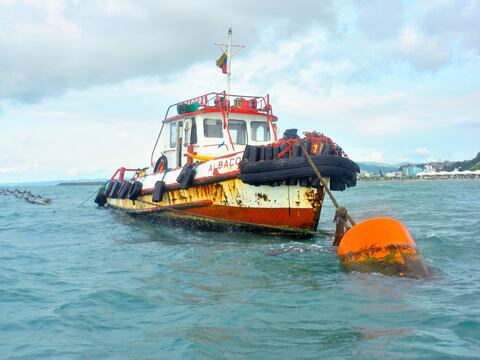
313 196
229 202
213 192
261 196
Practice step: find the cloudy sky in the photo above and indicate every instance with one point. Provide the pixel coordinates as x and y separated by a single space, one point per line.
84 84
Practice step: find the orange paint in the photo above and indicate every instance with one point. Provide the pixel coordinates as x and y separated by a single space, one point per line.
377 232
381 245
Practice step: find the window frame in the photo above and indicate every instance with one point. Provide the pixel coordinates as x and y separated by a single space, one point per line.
218 121
245 128
173 141
193 131
253 133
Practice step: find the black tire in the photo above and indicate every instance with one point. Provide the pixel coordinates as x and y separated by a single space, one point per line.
337 184
348 176
253 153
113 184
109 187
135 191
269 152
115 189
187 177
120 189
246 152
262 153
125 189
100 199
327 149
281 164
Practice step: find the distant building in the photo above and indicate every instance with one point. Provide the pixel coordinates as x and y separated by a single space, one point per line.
429 168
365 173
393 174
410 170
438 165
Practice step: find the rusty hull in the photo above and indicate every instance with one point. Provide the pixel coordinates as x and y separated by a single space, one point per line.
232 204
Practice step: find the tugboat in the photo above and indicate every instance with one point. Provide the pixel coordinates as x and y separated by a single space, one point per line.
219 163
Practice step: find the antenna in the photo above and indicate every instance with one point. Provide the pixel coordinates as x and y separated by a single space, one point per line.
227 49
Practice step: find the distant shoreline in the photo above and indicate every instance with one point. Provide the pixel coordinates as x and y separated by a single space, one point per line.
85 183
413 179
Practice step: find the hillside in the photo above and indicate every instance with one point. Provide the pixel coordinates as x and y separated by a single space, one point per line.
473 164
377 168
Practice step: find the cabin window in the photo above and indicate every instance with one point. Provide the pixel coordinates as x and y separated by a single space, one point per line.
212 128
238 131
260 131
193 134
173 135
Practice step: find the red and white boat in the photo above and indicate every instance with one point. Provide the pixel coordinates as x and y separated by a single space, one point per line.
219 163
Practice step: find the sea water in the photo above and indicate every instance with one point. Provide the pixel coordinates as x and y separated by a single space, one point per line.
92 283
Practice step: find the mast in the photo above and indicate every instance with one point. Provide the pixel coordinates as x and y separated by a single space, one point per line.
229 60
227 49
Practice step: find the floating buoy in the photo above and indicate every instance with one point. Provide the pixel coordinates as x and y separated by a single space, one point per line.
381 245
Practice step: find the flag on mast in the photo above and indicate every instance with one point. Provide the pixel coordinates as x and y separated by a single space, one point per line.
222 62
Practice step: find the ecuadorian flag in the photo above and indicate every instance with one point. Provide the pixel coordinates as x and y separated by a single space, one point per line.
222 62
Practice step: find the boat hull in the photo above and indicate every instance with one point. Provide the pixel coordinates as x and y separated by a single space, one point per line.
233 205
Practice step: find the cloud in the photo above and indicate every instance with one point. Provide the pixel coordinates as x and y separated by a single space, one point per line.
50 47
376 76
422 151
423 52
453 18
380 19
53 46
375 156
16 169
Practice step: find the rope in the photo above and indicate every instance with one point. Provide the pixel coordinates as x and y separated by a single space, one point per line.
91 195
341 216
341 221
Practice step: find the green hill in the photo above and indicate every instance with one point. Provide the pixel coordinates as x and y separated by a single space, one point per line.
475 167
377 168
473 164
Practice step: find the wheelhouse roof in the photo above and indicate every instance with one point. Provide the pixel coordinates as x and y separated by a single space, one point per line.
215 102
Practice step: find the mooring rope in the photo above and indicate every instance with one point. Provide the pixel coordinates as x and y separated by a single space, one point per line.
342 217
91 195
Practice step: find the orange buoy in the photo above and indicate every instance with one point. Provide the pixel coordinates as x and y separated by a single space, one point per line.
381 245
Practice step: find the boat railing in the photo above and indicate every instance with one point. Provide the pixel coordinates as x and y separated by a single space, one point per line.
221 101
122 170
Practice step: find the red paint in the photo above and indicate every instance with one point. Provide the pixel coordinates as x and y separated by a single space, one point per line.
225 123
214 109
121 173
190 205
294 218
